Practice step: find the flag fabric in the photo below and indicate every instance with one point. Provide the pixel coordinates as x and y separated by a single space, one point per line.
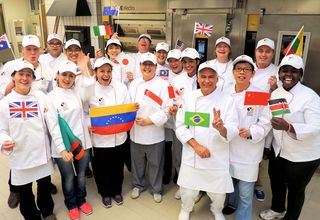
279 107
256 98
71 142
28 109
111 10
4 43
203 29
164 74
152 99
102 30
197 119
296 45
180 45
173 92
112 119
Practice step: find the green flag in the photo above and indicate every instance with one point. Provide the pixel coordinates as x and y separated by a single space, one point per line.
197 119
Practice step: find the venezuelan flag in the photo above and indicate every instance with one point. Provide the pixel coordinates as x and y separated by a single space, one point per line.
112 119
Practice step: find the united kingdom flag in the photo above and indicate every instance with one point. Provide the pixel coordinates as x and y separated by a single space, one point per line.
28 109
203 29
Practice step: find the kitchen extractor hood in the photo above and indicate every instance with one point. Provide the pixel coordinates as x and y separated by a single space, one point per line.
69 8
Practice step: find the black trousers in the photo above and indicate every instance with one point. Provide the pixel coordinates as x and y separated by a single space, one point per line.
28 207
167 168
107 165
290 178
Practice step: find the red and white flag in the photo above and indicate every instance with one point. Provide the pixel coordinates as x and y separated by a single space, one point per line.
173 92
203 29
152 99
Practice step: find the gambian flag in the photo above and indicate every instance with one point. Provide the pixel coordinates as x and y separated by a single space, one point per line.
256 98
102 30
279 107
197 119
112 119
152 99
296 45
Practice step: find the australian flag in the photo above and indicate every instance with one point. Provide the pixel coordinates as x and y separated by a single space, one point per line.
111 11
4 43
28 109
203 29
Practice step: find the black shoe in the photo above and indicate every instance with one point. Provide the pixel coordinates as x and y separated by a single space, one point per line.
53 189
13 200
228 210
89 172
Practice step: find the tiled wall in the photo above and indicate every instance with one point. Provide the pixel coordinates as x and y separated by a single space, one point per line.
75 21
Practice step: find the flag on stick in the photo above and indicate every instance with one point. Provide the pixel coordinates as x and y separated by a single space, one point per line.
111 10
173 92
112 119
152 99
197 119
102 30
203 29
4 43
180 45
256 98
296 45
279 107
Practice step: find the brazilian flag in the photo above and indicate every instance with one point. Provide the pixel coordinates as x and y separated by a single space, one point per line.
197 119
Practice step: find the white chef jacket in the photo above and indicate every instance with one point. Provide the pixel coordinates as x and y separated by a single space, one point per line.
245 155
68 103
225 74
31 153
217 165
261 77
116 93
154 133
304 117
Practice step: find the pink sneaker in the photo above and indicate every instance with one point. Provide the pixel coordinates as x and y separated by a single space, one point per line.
86 208
74 214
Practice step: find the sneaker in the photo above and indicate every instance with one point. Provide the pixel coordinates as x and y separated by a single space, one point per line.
119 199
228 210
13 200
86 208
53 189
177 195
107 201
269 214
183 215
199 196
50 217
135 193
74 214
157 197
88 172
260 196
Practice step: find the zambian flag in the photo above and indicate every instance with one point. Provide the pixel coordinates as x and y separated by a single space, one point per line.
296 45
197 119
279 107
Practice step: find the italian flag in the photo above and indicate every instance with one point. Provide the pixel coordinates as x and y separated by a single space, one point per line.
102 30
296 45
279 107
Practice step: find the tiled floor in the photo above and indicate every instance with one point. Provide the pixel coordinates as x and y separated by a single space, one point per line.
144 208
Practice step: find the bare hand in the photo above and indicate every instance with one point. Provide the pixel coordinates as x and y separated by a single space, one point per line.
98 54
66 156
217 121
272 81
137 106
115 36
279 124
8 145
173 110
9 88
202 151
130 76
143 121
244 133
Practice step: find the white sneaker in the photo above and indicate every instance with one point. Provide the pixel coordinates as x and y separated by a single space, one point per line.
269 214
177 195
135 193
157 197
183 215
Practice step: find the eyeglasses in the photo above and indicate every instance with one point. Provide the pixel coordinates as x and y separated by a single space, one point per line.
245 70
55 44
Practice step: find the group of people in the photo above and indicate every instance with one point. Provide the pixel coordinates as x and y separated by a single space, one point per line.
190 111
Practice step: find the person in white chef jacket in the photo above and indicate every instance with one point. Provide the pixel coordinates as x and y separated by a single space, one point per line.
147 134
223 62
66 100
22 116
246 149
205 153
296 146
108 150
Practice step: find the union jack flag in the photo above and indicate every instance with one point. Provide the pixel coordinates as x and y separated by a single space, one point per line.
203 29
28 109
